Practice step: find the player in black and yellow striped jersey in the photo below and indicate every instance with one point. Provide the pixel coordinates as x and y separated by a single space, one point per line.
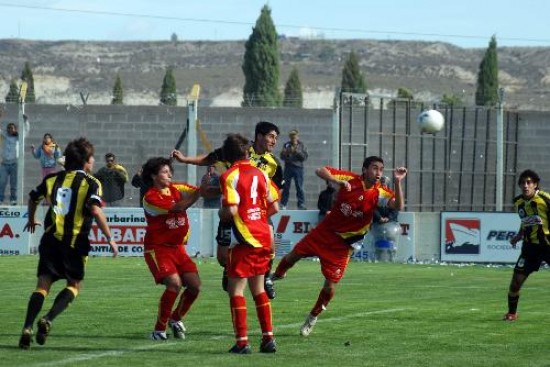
533 208
261 155
74 199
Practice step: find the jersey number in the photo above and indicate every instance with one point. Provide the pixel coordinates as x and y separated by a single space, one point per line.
254 190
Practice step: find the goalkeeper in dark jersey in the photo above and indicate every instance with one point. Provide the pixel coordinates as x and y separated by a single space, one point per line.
261 156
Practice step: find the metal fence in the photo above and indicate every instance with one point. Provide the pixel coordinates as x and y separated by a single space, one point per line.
454 170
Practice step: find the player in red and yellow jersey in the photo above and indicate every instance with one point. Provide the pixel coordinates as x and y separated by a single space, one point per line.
249 198
348 222
165 205
260 154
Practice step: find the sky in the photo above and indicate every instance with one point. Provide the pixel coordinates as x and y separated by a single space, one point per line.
464 23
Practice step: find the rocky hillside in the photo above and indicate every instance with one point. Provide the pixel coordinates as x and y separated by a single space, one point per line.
65 69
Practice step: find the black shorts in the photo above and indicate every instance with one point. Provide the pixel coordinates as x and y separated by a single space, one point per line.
223 238
531 257
59 261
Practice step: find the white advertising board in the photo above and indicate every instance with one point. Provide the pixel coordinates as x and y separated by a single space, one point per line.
479 237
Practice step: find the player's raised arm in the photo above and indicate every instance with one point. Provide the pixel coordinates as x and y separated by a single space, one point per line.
199 160
325 174
399 202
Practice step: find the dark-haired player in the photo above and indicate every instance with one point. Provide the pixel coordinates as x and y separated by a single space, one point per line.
249 198
261 156
533 208
74 199
347 222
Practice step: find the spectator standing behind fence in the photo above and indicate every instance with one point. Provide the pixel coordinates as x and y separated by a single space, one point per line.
325 201
48 153
139 183
8 168
113 177
294 154
211 183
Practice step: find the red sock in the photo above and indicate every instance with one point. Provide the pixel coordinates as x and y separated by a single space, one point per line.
238 314
282 268
166 303
186 300
263 310
322 301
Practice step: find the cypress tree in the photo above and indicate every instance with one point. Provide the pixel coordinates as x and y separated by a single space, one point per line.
118 93
27 76
168 92
13 94
293 90
352 78
261 64
487 77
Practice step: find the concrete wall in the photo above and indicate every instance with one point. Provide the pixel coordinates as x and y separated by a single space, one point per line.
135 133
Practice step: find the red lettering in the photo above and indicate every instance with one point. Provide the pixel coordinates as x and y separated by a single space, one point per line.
6 231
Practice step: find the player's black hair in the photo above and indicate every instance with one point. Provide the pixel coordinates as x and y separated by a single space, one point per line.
369 160
235 147
529 173
265 127
152 168
77 153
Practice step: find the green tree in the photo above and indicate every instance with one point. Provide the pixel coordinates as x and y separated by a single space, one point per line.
13 94
293 90
27 76
168 92
404 93
487 77
352 78
261 64
118 92
452 100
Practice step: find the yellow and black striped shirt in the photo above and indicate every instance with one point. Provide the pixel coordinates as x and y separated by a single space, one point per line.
266 162
534 216
70 195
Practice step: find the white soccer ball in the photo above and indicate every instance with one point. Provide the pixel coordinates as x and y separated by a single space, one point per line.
430 121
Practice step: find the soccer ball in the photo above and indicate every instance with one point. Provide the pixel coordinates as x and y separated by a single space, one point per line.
430 121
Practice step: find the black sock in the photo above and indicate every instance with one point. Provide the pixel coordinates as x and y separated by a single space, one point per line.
269 267
36 301
62 301
513 303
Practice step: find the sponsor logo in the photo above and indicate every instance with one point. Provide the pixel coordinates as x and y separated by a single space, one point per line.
462 236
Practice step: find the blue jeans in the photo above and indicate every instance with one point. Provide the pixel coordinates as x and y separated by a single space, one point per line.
296 173
8 170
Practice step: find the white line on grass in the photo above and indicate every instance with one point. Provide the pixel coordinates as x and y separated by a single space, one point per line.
90 356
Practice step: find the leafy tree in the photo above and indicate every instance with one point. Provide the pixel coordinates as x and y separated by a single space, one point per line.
168 93
13 94
352 78
452 100
487 77
27 76
404 93
293 90
174 38
118 93
261 64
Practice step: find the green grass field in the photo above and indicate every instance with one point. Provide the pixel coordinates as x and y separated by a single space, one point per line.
391 315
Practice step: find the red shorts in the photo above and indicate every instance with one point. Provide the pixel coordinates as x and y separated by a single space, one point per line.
332 251
245 261
167 260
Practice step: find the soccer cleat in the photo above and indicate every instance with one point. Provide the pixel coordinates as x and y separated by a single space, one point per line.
308 325
268 346
26 339
510 317
245 349
225 280
269 287
158 335
44 327
178 329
